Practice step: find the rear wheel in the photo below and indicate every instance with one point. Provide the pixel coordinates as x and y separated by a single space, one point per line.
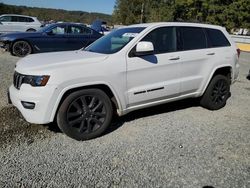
31 30
85 114
217 93
21 48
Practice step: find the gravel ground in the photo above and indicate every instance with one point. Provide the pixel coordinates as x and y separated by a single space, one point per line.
174 145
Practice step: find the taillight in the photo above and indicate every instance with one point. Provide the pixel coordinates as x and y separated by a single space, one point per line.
238 52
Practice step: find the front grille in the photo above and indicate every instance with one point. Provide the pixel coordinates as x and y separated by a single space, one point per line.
18 80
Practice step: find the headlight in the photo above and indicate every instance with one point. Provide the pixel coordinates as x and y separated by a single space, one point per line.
36 80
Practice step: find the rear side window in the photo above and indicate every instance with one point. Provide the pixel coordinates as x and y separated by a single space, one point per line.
163 39
216 38
21 19
193 38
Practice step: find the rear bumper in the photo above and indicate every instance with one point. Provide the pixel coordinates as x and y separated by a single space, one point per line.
236 73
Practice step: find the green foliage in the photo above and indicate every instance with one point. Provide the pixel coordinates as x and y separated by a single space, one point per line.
45 14
228 13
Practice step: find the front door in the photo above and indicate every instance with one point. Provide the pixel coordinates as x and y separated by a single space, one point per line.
5 24
155 77
78 37
55 39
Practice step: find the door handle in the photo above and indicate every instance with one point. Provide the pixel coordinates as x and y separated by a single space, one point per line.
174 58
212 53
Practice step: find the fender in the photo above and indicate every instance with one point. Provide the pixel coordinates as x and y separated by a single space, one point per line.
212 74
86 84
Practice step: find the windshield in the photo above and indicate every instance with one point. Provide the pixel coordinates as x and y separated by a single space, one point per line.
114 41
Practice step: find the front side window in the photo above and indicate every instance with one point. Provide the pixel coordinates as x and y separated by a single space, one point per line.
114 41
15 19
163 39
193 38
59 30
5 19
79 30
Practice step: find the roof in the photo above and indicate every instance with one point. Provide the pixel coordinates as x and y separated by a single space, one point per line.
68 23
154 24
17 15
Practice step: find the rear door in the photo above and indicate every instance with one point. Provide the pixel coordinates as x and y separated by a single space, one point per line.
196 58
18 23
54 39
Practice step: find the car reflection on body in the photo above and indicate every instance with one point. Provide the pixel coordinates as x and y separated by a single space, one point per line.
54 37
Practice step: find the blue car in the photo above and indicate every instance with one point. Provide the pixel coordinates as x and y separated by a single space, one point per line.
54 37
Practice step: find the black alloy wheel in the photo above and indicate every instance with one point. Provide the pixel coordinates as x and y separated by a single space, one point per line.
217 93
21 48
85 114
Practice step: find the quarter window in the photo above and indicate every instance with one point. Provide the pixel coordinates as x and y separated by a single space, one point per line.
30 20
193 38
163 39
216 38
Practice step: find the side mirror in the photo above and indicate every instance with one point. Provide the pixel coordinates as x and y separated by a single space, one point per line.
144 48
49 32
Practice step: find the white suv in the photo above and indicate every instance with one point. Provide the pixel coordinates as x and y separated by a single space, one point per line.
131 68
18 23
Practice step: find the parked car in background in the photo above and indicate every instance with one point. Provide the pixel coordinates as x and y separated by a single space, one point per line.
54 37
131 68
100 26
18 23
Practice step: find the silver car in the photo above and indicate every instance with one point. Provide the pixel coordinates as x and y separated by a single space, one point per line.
18 23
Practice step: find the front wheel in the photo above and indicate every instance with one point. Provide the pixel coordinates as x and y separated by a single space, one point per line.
217 93
85 114
21 48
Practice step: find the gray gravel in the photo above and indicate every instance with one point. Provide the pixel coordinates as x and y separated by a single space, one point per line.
174 145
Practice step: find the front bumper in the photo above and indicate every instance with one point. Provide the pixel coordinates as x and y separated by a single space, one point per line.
43 97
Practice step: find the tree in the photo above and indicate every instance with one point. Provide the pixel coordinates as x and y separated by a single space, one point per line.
228 13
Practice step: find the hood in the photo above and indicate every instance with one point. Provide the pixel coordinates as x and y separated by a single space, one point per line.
17 35
48 61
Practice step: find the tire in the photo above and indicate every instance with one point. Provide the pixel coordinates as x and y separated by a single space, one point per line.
85 114
217 93
21 48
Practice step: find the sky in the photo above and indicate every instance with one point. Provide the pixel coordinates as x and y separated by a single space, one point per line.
101 6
